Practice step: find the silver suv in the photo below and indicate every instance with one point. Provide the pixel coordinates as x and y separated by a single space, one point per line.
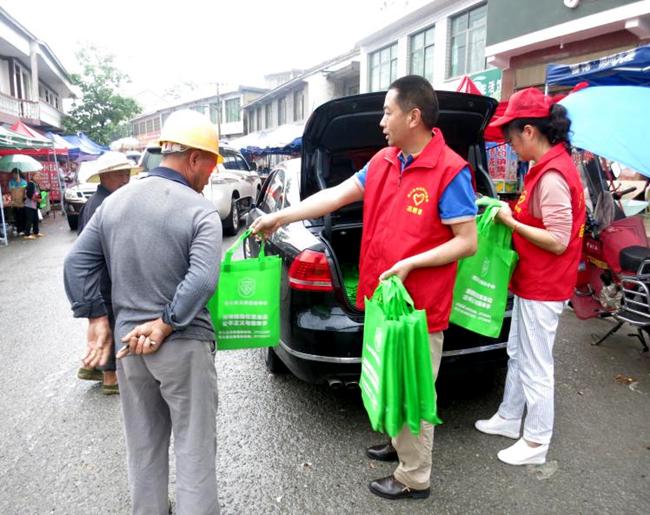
233 186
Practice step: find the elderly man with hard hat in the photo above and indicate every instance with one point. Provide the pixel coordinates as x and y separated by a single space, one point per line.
113 170
161 242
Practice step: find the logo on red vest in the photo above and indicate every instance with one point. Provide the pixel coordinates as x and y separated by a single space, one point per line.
417 197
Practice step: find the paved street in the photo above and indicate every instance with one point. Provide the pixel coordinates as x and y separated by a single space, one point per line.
288 447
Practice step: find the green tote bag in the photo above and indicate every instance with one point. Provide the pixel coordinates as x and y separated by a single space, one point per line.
481 289
245 308
397 385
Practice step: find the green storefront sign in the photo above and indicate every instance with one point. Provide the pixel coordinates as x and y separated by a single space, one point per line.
489 82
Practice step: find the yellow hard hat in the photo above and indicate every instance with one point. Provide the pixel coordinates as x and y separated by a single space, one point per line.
190 129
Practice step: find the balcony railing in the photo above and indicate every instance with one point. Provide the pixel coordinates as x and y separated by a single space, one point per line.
40 112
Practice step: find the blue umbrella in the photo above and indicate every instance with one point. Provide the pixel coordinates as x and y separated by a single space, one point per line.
612 121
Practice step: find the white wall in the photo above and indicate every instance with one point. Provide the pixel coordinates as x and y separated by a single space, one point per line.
5 77
401 34
14 38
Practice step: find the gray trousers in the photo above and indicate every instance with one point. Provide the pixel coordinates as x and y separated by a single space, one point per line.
174 389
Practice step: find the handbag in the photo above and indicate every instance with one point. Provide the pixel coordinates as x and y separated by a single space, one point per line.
481 288
245 308
397 384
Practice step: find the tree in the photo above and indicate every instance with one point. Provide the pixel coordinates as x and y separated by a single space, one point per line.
101 112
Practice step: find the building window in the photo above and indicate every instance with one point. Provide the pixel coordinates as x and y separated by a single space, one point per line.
259 119
233 110
215 113
267 116
421 45
156 124
467 42
282 111
383 67
22 82
150 125
298 105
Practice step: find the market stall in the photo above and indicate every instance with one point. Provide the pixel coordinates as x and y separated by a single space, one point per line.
22 139
268 147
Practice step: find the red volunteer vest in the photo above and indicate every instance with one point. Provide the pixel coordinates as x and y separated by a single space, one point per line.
401 219
542 275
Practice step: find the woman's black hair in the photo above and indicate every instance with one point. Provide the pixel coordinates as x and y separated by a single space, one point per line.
555 128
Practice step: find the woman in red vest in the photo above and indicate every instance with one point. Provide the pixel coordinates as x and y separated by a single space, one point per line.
547 224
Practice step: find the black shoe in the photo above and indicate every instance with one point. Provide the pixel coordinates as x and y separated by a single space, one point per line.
391 488
383 452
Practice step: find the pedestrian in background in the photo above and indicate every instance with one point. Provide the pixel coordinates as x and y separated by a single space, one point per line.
547 224
161 241
32 200
432 238
113 171
17 187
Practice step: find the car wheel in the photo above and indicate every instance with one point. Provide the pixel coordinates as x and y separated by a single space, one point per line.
73 222
231 223
273 363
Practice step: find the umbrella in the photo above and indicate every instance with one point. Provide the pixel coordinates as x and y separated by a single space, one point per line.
611 121
24 163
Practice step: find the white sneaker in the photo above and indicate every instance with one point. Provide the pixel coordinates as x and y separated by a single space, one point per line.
523 454
499 426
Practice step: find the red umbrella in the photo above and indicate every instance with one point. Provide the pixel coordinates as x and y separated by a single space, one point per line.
467 86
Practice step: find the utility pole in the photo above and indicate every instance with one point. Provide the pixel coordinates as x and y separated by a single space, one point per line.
218 111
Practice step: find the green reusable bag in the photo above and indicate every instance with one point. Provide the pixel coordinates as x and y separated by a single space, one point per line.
481 289
376 334
245 308
419 383
393 379
396 359
43 203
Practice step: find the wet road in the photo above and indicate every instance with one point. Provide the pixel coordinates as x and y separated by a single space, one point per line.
289 447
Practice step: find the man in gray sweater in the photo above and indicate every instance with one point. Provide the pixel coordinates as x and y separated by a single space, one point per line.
161 243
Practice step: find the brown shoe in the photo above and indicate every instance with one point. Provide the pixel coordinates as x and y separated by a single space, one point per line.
29 237
40 235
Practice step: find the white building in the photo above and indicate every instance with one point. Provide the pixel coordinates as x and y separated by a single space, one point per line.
442 41
294 100
224 109
33 82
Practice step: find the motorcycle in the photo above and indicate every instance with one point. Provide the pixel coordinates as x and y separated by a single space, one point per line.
614 270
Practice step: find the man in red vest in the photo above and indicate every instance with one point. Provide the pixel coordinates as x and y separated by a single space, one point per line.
416 191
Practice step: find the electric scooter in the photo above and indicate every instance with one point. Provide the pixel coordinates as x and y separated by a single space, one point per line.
614 270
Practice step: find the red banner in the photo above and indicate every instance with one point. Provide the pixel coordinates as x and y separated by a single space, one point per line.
49 180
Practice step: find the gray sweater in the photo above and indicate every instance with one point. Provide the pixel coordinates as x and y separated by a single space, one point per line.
161 242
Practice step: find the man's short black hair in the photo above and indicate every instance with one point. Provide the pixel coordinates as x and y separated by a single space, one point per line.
414 91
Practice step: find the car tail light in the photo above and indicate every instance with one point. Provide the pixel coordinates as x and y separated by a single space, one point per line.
310 271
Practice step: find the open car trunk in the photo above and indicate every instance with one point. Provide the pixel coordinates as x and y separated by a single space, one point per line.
340 138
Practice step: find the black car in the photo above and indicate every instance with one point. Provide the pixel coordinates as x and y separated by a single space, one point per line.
321 328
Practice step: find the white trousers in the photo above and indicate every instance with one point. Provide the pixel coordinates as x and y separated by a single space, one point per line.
530 379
